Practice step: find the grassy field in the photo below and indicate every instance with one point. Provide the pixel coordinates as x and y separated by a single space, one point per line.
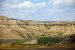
30 31
39 46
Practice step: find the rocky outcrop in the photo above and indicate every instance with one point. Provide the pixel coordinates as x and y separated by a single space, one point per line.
3 20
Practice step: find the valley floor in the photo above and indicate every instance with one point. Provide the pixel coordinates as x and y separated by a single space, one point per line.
33 46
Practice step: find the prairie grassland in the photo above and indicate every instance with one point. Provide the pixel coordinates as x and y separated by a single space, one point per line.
39 46
33 30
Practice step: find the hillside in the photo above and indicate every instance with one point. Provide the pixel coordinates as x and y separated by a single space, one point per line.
28 29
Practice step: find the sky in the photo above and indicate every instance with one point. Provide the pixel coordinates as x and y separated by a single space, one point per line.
39 10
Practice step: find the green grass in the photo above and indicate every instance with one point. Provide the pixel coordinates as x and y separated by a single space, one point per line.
20 41
50 40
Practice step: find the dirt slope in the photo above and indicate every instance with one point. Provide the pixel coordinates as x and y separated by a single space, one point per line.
21 29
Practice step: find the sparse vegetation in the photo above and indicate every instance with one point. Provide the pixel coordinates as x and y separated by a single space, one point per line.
72 37
20 41
50 40
23 30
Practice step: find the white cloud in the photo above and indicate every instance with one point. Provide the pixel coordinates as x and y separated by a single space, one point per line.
68 2
24 5
63 3
9 6
30 5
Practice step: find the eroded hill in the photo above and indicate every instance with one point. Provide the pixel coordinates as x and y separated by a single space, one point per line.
28 29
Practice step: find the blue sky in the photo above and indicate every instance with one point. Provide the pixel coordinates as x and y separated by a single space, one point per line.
42 10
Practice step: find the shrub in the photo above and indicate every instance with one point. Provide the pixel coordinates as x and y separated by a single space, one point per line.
50 40
20 41
72 37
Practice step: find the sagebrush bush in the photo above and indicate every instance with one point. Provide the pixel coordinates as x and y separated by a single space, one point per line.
50 40
72 37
